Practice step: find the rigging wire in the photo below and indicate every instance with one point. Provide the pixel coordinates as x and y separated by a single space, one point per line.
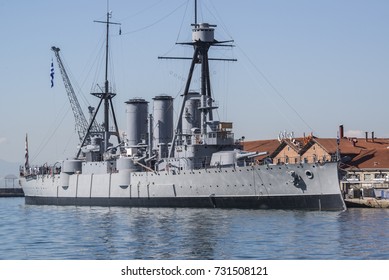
90 65
274 88
218 18
48 137
154 23
99 67
71 137
142 11
183 20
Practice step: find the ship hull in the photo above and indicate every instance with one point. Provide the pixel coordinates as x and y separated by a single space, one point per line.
308 187
308 202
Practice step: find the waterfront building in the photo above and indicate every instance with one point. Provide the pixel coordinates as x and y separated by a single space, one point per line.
363 162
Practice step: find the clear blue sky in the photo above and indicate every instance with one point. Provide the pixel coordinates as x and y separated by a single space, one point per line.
302 65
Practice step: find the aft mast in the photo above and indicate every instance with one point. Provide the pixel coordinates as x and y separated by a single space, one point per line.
105 97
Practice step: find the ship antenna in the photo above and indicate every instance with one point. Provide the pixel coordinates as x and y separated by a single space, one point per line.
195 10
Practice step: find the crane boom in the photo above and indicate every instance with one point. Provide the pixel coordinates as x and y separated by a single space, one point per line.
80 120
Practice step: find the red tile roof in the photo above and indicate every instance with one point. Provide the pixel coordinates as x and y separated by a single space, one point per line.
364 154
377 159
372 155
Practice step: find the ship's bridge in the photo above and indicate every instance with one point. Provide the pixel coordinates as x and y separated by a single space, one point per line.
220 134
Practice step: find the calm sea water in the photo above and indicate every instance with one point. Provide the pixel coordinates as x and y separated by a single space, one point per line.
93 233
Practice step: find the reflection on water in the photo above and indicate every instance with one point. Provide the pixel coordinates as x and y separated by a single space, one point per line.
58 232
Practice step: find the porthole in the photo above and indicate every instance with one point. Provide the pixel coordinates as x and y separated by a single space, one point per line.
309 174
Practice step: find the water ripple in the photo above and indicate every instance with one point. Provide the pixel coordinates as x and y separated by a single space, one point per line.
67 232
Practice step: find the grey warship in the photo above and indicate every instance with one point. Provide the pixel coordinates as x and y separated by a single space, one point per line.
195 163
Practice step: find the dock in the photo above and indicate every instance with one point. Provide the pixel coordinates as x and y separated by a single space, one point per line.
367 202
11 192
9 186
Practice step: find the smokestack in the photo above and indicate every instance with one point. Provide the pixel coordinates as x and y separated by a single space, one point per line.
372 136
341 131
366 136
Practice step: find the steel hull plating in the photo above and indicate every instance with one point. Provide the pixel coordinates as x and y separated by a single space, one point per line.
308 202
308 186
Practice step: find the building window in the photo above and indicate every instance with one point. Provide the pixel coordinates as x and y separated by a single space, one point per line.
353 176
367 177
380 175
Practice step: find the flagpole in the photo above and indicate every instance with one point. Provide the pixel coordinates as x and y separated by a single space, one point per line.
26 156
52 73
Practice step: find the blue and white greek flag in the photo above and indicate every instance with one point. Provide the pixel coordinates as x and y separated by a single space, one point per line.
52 73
